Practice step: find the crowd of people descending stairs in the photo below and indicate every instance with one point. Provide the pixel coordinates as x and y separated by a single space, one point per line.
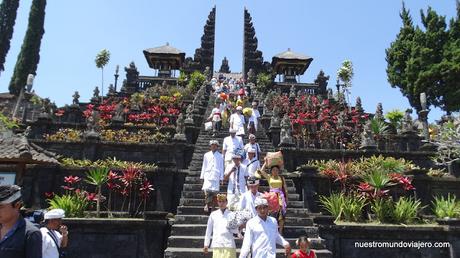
243 211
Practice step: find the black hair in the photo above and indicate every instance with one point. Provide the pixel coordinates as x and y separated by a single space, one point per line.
275 166
302 239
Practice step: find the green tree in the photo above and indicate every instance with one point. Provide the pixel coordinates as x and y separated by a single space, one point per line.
29 56
97 177
427 60
8 11
102 59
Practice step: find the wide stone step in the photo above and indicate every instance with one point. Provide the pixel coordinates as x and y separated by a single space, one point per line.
200 202
200 194
197 187
194 241
198 210
173 252
203 219
200 229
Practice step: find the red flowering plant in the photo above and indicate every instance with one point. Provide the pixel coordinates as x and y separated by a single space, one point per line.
333 125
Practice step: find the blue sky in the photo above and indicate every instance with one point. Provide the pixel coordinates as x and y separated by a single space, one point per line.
330 31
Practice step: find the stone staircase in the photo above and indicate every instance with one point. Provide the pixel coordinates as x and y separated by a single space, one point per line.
188 230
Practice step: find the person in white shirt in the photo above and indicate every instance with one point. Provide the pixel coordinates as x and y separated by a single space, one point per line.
236 175
251 163
262 234
231 145
212 173
223 243
248 198
216 118
54 234
254 119
237 121
252 144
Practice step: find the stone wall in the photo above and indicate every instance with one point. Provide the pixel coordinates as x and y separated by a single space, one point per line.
310 185
38 180
121 238
294 157
342 240
177 154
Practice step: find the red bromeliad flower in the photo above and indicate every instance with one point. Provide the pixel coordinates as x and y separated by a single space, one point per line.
91 197
89 110
49 195
68 188
71 179
330 173
129 176
145 189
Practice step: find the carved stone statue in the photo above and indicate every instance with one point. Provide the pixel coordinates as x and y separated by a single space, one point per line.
367 138
359 105
224 68
341 119
275 119
180 128
321 80
330 94
119 113
285 135
189 114
407 124
207 73
292 92
379 112
131 73
76 97
92 126
96 93
252 76
111 90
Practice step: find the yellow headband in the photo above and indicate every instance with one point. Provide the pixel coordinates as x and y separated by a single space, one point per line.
221 197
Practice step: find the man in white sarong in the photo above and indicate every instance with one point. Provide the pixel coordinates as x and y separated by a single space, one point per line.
253 121
262 234
212 174
230 146
252 144
252 164
249 197
236 174
223 243
237 121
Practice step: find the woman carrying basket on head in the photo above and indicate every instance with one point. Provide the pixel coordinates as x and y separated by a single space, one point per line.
277 185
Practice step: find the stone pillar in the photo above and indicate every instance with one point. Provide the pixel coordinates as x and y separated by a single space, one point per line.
275 135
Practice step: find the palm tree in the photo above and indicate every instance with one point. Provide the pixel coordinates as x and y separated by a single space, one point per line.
102 59
97 177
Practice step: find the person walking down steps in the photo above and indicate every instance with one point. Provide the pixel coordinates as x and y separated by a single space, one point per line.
223 242
236 174
212 174
261 235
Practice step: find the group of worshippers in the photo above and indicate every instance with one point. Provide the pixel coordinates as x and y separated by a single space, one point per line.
261 233
228 110
20 238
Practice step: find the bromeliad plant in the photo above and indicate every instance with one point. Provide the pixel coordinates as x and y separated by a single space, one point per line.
131 184
448 207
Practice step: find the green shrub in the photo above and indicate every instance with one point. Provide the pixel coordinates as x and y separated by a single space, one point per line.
395 117
446 207
406 210
74 205
196 81
352 207
383 209
333 204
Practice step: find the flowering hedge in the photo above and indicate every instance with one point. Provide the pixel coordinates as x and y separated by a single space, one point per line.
322 123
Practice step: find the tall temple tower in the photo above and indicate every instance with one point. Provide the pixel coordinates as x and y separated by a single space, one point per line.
252 58
204 56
